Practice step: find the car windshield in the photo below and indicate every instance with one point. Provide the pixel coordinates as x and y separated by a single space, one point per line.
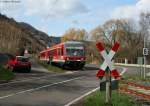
74 52
22 59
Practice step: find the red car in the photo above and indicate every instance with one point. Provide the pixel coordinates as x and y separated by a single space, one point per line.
20 63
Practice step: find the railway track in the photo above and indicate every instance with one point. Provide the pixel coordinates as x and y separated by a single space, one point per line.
141 92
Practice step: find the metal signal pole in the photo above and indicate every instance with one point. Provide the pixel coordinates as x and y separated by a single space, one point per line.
144 73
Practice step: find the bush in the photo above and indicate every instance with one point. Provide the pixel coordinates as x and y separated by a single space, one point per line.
3 59
5 74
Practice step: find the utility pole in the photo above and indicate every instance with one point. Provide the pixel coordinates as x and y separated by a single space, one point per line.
145 53
144 72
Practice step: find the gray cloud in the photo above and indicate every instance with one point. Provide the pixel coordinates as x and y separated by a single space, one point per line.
54 8
132 11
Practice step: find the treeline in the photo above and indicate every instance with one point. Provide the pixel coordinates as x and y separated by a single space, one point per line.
128 32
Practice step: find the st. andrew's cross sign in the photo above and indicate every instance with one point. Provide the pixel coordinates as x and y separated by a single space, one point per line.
107 60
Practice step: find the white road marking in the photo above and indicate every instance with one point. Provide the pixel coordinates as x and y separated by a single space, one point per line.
69 72
33 78
88 93
35 89
79 98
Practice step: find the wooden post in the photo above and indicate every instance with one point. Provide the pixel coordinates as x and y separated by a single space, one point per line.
108 86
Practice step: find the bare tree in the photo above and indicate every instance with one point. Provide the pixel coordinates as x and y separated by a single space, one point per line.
74 34
97 34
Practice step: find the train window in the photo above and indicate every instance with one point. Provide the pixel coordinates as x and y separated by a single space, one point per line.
58 52
50 53
74 52
55 52
61 51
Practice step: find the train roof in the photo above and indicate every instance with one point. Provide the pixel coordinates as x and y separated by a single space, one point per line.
73 42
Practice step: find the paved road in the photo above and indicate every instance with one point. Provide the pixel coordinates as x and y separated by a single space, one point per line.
48 89
42 88
37 71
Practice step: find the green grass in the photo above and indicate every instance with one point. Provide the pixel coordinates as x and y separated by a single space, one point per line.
51 67
98 99
5 74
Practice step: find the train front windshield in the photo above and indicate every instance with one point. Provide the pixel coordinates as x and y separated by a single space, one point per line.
76 51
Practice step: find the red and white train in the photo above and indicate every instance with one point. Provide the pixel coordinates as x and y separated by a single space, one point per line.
68 54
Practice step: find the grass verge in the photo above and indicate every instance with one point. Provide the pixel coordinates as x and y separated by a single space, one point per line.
98 99
52 67
5 75
136 78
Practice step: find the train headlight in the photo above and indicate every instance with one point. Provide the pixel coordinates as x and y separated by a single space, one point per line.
67 58
82 59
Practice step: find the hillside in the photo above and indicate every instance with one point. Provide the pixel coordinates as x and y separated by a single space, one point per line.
17 36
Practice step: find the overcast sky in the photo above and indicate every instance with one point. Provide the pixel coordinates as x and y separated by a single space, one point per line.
56 16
